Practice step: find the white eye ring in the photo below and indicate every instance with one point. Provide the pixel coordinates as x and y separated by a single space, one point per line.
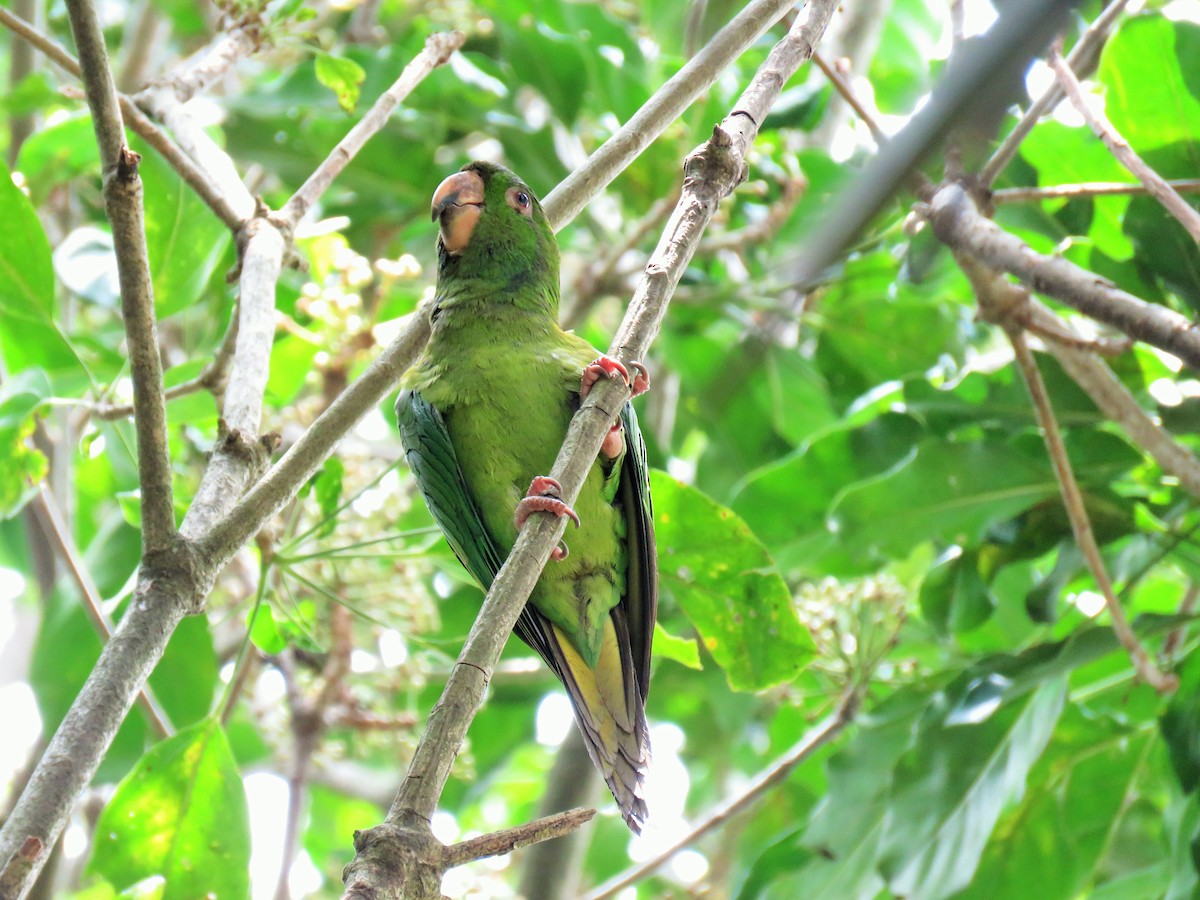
520 200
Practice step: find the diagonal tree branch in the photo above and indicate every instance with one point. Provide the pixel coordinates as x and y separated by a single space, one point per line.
958 224
123 204
401 855
175 581
969 88
773 775
566 201
216 526
48 514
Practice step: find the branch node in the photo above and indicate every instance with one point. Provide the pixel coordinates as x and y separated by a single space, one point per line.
406 854
127 164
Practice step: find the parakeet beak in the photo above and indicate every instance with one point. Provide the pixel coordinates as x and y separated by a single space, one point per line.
457 203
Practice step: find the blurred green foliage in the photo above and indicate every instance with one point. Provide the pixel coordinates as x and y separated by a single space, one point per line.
851 490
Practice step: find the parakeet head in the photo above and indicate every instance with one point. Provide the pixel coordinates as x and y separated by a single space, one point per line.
492 232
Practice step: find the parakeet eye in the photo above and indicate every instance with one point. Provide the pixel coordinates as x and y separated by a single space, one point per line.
520 200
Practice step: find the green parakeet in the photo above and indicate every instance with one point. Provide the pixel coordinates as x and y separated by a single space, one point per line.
483 414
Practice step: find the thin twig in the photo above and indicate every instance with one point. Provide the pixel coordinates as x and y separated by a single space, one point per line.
1081 58
958 224
141 41
123 204
182 575
1154 183
773 775
22 62
501 842
206 67
1085 189
778 214
848 94
438 49
1119 405
711 172
998 299
1080 522
965 89
598 277
47 511
212 378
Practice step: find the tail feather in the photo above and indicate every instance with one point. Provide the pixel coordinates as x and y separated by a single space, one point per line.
608 708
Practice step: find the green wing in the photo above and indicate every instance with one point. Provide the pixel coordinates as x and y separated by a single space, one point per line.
433 462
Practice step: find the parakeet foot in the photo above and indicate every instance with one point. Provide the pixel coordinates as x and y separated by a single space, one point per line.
607 367
614 442
545 495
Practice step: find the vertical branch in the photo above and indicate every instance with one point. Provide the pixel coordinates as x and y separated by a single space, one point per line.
123 204
21 64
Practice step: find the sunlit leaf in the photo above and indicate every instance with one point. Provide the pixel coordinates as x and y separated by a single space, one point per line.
723 578
342 76
180 814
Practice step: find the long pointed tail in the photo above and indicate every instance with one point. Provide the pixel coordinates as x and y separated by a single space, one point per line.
609 710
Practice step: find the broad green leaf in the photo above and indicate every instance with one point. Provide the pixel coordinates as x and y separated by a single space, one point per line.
265 631
552 64
28 334
846 829
679 649
787 502
22 468
951 787
1053 843
187 675
1183 831
951 491
184 239
58 153
723 578
1065 155
1141 67
180 814
954 597
1162 243
342 76
885 329
327 488
899 70
1181 724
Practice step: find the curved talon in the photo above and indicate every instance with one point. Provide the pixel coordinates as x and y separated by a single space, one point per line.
560 552
544 496
641 380
607 367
